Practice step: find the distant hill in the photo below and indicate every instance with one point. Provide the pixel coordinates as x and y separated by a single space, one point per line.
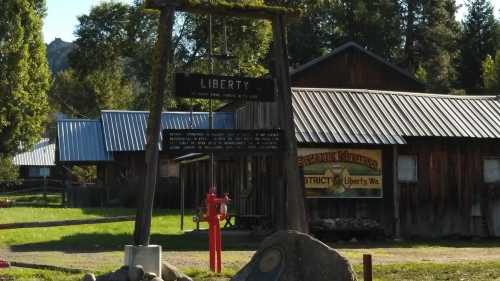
57 54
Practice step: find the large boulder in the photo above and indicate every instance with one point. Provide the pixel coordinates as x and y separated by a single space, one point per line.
295 256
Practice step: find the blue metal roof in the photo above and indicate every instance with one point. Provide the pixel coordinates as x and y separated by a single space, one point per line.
126 130
81 141
42 154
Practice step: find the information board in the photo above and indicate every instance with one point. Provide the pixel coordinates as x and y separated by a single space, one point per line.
201 86
220 140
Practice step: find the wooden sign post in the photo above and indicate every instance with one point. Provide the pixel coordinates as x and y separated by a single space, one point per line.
161 66
295 211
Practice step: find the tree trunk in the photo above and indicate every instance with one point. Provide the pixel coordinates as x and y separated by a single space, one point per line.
161 67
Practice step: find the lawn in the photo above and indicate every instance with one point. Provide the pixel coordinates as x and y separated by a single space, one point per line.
81 246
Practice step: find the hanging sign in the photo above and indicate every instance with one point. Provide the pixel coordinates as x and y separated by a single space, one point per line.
220 140
342 173
200 86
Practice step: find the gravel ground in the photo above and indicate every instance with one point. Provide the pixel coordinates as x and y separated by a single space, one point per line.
236 259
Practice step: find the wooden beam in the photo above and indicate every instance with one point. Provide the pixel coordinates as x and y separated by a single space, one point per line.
295 206
224 8
161 67
396 192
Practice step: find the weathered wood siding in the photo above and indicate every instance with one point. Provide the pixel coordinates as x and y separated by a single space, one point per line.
450 182
353 69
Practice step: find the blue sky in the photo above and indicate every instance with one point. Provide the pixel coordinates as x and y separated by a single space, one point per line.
62 16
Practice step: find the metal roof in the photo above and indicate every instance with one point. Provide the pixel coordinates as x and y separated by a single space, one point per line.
384 117
42 154
81 140
126 130
355 46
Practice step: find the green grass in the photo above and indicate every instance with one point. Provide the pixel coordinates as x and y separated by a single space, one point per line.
106 242
165 230
21 274
401 272
477 271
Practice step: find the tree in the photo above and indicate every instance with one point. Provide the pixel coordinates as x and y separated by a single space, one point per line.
479 39
8 172
87 96
327 24
491 73
24 75
437 43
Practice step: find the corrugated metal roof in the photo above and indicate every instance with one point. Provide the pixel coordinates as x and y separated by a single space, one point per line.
126 130
81 140
42 154
383 117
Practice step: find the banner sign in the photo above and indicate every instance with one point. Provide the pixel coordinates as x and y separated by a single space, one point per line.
220 140
200 86
342 173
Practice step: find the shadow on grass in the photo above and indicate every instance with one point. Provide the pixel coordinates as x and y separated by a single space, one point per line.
103 242
112 212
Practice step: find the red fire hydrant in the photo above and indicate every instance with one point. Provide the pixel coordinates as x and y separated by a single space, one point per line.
217 211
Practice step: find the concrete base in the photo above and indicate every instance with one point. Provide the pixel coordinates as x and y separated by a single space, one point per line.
147 256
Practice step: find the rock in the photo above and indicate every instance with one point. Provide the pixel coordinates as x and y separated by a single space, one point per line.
119 275
295 256
136 273
171 273
149 276
88 277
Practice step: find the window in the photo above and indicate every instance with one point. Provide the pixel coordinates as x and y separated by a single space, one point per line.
407 168
39 172
491 170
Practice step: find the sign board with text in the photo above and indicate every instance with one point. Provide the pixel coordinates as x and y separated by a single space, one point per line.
201 86
342 173
221 140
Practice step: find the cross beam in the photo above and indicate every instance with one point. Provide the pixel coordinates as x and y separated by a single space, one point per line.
224 8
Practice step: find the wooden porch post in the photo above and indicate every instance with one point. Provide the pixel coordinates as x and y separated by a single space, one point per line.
295 210
161 66
396 193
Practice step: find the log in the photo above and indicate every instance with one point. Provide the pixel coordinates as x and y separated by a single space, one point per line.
65 222
295 206
224 8
161 67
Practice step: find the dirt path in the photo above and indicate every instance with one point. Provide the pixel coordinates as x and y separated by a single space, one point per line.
236 259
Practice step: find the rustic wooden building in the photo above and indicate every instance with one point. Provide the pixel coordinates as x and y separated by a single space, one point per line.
351 66
419 164
38 162
114 143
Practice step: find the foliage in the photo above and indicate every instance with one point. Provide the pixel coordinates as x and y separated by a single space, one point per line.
327 24
478 41
24 75
491 73
439 37
116 41
85 96
84 174
8 172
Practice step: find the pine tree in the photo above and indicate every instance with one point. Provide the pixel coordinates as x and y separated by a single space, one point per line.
437 44
24 75
478 41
